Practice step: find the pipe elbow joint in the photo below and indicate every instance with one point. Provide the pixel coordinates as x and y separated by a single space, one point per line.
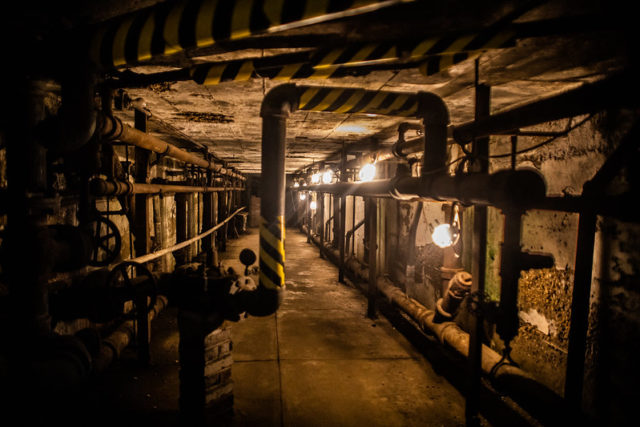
432 109
280 101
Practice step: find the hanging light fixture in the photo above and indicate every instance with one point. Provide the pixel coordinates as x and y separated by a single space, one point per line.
303 196
447 234
367 172
296 184
315 178
327 176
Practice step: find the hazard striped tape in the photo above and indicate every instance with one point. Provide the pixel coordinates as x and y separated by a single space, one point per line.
345 100
172 27
437 53
272 253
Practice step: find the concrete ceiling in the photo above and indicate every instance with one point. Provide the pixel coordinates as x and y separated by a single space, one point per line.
225 117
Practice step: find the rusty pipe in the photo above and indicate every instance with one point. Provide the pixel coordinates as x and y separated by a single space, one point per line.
102 187
114 129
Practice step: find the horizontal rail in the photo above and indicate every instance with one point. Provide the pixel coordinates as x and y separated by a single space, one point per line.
102 187
149 257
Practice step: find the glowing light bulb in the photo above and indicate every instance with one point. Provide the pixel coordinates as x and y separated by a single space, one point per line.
444 235
303 196
304 184
313 205
327 176
296 184
367 172
315 178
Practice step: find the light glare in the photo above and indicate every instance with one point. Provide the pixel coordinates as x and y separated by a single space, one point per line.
327 176
442 236
315 178
296 184
303 196
313 205
367 172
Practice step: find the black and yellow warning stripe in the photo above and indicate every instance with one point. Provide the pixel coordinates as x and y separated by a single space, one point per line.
468 42
172 27
345 100
435 64
272 253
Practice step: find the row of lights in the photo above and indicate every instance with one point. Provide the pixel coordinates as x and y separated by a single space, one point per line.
367 173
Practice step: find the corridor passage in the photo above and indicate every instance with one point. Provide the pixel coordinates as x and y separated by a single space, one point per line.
320 362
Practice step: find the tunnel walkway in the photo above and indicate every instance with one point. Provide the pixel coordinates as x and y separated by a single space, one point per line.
320 362
317 362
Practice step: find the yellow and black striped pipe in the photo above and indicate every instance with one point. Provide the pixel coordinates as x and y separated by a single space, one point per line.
287 98
272 253
345 100
174 26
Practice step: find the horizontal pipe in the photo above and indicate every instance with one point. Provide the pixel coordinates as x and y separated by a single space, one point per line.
522 188
113 344
102 187
521 383
589 98
114 129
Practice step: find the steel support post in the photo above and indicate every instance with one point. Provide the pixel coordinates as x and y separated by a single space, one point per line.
479 245
343 214
141 231
372 220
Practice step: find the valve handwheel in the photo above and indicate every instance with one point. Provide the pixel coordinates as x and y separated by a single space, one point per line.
122 276
107 240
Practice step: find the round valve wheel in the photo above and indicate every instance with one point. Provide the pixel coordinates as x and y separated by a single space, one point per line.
129 276
107 241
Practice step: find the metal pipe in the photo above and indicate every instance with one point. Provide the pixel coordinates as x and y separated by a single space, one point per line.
113 344
529 393
522 187
113 129
102 187
353 230
588 98
276 107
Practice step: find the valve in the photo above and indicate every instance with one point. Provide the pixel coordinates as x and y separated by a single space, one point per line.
107 241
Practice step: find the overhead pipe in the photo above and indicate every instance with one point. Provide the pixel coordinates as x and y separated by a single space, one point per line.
102 187
113 129
276 107
522 187
612 92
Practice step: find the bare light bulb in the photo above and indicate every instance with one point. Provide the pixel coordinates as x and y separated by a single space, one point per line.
327 176
315 178
367 172
303 196
296 184
444 236
313 205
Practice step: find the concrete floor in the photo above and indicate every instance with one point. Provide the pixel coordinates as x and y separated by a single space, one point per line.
320 362
317 362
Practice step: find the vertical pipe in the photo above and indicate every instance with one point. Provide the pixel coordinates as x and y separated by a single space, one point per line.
191 224
343 214
478 265
372 219
142 237
321 221
207 223
181 226
574 380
